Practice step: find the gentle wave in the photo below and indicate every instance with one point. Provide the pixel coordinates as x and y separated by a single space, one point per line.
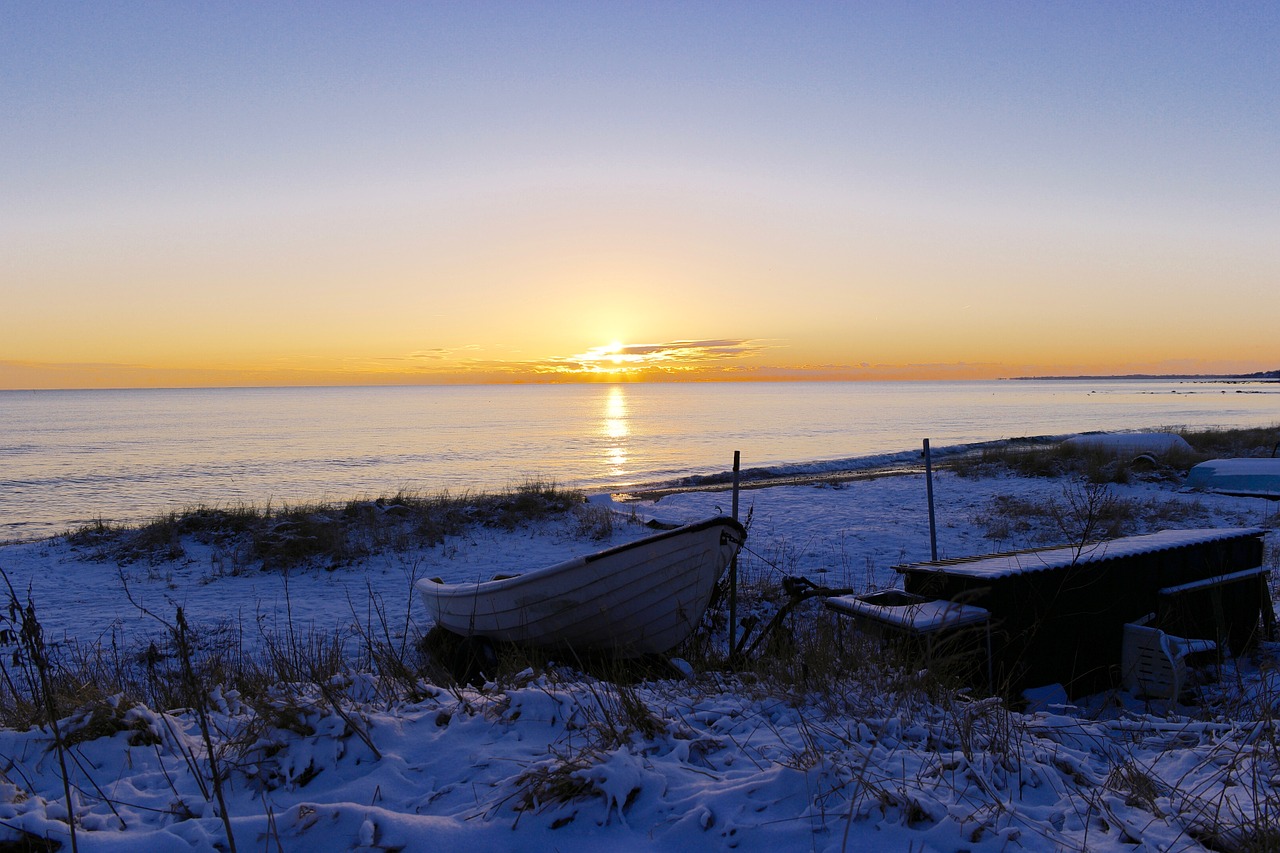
127 456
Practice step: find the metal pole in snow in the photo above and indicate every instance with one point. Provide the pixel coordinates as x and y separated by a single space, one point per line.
733 570
933 529
737 466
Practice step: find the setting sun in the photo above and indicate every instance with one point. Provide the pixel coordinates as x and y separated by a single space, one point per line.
471 338
756 194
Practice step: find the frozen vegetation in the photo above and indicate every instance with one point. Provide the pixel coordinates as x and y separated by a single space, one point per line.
248 679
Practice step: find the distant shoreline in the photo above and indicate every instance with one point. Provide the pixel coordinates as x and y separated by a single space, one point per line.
829 478
1266 376
893 465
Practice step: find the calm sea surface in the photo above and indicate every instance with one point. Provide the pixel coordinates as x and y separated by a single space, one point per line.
69 457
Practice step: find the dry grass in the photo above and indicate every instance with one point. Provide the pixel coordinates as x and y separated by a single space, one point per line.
1083 511
332 535
1228 443
854 689
1035 458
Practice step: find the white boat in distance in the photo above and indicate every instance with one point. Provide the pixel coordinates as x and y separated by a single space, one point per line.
639 598
1248 477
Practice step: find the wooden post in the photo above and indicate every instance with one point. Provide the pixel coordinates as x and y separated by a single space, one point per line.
933 528
733 571
737 466
1268 610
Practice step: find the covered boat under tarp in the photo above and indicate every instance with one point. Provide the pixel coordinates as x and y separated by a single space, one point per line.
1130 443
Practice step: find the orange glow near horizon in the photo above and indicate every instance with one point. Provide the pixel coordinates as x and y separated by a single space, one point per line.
1002 210
719 360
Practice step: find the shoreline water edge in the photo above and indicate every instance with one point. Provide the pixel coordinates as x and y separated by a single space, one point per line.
76 458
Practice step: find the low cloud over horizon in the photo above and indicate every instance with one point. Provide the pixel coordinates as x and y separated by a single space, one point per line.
673 357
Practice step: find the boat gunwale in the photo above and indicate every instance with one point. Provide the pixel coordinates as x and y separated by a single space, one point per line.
472 588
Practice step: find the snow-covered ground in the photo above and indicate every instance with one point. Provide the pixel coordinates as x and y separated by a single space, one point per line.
553 760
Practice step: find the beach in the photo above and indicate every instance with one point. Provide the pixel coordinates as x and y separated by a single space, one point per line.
614 426
550 757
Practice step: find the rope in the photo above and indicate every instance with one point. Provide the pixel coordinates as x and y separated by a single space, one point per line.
763 559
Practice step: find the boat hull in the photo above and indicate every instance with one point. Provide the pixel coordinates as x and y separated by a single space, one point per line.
1247 477
639 598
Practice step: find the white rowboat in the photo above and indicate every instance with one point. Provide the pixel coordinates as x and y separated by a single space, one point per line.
639 598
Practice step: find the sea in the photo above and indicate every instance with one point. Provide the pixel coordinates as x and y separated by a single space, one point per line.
71 458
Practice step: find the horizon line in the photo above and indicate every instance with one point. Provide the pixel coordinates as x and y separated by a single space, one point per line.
1259 376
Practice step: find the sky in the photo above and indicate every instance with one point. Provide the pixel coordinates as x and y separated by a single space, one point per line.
268 193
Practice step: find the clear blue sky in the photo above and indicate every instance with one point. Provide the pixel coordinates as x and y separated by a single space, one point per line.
207 193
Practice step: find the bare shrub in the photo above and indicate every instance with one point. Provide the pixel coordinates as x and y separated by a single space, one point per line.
21 630
1083 511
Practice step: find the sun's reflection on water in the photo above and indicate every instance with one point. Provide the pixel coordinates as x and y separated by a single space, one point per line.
615 430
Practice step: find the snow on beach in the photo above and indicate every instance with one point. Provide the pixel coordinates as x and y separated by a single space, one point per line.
554 759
